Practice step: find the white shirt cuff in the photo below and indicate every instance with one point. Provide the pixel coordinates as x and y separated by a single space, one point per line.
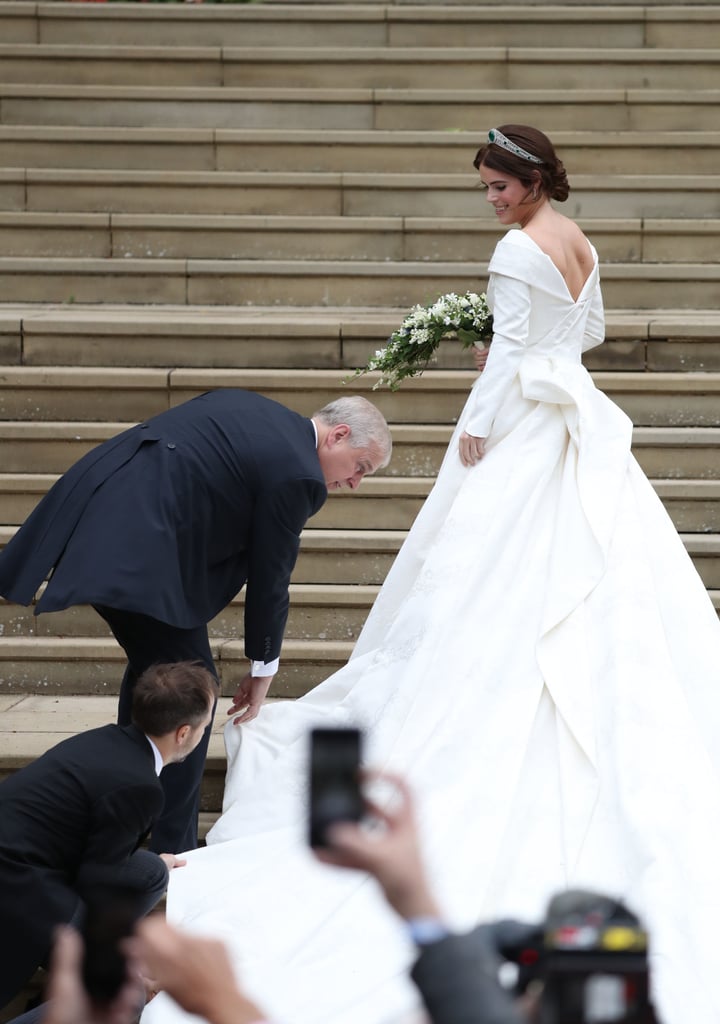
264 668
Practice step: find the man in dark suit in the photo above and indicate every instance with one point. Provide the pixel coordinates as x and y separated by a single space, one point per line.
161 526
73 819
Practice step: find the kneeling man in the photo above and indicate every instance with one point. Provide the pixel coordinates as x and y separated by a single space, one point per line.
74 818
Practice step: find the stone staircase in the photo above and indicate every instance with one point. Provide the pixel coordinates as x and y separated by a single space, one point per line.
200 196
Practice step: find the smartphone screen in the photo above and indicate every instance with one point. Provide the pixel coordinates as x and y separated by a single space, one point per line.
334 785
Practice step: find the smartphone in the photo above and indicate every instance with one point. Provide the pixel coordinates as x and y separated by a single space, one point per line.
335 756
111 913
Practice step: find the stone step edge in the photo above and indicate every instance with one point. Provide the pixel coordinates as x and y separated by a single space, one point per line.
403 433
465 181
385 487
358 94
190 266
357 12
51 219
190 379
389 541
362 137
357 54
329 321
224 649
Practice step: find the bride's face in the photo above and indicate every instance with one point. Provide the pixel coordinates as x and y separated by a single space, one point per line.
510 198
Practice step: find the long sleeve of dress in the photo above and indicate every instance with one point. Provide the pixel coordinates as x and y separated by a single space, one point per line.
511 316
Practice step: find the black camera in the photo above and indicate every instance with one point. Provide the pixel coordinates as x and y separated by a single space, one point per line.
590 956
334 787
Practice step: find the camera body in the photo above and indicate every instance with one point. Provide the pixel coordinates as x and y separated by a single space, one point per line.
590 955
334 784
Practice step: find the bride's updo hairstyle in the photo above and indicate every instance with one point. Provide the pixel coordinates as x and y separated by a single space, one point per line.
524 152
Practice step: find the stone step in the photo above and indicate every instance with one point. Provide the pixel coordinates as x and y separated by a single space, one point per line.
387 24
363 558
317 282
311 338
265 149
94 665
45 394
610 109
682 453
317 612
392 503
320 67
222 236
339 194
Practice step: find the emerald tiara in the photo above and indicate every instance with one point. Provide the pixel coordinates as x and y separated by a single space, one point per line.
498 139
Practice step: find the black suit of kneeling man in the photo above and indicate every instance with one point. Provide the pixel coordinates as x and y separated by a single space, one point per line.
161 526
73 819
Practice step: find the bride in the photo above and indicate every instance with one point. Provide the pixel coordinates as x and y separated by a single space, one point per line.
542 663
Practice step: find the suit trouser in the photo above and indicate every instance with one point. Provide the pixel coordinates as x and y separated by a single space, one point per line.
144 873
147 641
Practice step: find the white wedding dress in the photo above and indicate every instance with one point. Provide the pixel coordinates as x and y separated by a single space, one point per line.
543 663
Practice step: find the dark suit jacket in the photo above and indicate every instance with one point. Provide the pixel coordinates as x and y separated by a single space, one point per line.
457 979
172 517
75 814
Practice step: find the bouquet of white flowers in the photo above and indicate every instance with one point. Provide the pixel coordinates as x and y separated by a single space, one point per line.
412 345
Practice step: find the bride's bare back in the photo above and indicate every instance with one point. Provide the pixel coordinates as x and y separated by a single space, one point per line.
562 240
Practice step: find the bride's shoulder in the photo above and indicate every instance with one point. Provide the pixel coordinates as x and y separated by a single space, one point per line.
515 254
513 237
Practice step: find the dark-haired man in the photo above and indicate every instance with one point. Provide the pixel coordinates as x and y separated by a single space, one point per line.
74 818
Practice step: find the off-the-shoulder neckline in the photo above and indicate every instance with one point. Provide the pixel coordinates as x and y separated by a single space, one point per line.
533 243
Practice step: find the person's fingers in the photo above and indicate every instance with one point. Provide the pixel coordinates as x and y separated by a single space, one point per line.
347 846
472 449
239 701
250 712
170 860
67 951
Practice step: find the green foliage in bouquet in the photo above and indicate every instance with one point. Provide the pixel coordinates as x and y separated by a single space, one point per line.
410 348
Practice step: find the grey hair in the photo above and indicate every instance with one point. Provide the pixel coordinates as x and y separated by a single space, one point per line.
368 428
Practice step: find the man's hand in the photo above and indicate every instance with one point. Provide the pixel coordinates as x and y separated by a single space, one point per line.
472 449
172 861
390 852
250 695
195 971
68 1002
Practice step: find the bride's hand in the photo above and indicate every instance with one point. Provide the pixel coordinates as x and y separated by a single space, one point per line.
472 449
249 698
480 357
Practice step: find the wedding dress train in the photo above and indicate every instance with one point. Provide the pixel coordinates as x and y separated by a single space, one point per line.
542 663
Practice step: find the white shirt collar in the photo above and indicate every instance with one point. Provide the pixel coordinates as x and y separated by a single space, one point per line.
157 755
